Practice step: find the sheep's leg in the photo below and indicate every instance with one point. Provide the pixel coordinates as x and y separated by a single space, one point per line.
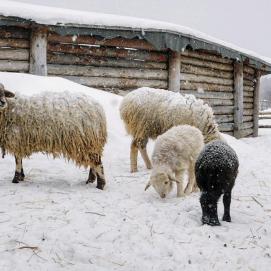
191 180
227 204
179 177
143 151
100 176
91 176
19 172
208 203
133 156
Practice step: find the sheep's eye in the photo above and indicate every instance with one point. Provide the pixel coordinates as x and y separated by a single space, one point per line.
166 182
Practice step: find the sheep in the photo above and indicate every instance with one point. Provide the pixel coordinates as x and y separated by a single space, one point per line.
61 124
148 113
174 152
216 170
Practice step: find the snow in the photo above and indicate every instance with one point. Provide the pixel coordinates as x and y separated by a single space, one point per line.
59 16
54 221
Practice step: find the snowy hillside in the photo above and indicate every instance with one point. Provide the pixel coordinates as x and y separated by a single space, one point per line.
53 221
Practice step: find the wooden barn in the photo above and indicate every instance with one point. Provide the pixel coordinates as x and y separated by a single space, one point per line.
120 54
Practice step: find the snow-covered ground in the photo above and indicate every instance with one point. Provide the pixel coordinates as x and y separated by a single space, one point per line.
53 221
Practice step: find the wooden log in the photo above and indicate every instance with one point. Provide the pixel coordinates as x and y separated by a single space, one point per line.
247 118
14 66
256 104
224 118
249 70
246 132
14 43
247 99
71 59
206 64
238 98
210 95
14 54
115 42
248 112
206 56
187 68
264 126
89 71
108 52
225 127
8 32
38 51
247 125
264 117
206 79
216 102
249 83
174 71
250 77
264 113
201 87
247 88
248 105
248 94
223 110
117 83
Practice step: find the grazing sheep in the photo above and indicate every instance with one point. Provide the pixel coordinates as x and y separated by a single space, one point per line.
216 170
62 124
175 151
148 113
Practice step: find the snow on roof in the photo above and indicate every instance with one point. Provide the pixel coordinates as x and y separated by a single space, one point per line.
59 16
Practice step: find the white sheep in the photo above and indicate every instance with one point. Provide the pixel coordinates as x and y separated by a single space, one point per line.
148 113
175 152
65 124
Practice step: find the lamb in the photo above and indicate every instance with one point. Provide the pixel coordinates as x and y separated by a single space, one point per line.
61 124
216 170
175 151
148 113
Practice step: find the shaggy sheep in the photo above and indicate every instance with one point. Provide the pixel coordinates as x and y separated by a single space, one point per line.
175 152
216 170
61 124
148 113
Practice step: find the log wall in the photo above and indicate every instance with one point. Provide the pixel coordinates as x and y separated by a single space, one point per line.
14 49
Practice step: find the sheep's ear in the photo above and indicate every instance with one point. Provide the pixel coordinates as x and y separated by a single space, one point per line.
148 185
9 94
172 179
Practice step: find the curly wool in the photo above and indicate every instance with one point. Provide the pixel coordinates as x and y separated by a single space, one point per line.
148 113
61 124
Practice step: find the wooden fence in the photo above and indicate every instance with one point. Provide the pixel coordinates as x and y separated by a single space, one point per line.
265 115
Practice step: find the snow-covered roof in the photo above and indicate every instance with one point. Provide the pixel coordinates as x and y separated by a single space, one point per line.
175 37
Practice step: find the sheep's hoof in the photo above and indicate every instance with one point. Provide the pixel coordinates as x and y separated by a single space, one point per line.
17 177
91 177
226 218
100 186
133 170
210 221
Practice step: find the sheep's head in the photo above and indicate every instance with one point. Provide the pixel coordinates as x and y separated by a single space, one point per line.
162 182
4 94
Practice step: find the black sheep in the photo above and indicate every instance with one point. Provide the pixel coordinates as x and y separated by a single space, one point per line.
216 170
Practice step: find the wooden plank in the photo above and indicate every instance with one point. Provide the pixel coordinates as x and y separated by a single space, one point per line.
109 52
249 83
14 54
206 64
247 99
185 85
210 95
247 88
250 77
206 79
187 68
224 118
38 51
256 104
14 43
223 110
7 32
71 59
248 112
225 127
247 118
264 117
248 105
117 83
206 56
238 98
106 72
248 94
247 125
216 102
249 70
174 71
115 42
246 132
265 126
14 66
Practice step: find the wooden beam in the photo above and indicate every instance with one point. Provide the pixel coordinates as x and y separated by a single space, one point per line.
38 51
174 71
256 104
238 98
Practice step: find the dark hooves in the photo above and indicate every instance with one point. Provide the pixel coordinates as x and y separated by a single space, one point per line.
18 177
210 221
100 186
226 218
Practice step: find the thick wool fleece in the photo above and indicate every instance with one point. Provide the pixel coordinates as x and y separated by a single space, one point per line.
61 124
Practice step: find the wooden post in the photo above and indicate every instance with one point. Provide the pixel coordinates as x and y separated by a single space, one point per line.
174 71
256 104
38 51
238 98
